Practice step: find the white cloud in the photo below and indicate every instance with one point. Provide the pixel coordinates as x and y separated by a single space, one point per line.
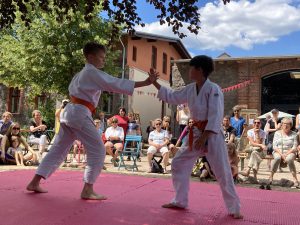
242 24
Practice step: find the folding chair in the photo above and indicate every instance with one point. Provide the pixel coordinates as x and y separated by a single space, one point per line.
133 152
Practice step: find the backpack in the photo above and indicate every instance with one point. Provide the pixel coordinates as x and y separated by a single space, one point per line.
156 167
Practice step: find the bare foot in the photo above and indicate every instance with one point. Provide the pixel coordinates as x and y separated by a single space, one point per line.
92 196
237 215
35 188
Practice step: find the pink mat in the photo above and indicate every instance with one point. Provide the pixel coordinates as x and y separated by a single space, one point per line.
134 200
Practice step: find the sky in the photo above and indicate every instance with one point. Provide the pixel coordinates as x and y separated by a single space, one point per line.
241 28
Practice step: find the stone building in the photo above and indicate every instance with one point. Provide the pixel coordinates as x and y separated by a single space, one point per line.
275 81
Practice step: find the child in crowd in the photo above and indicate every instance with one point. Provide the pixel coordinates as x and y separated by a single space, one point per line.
233 160
205 170
16 151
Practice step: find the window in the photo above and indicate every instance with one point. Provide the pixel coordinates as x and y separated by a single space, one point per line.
14 100
171 75
40 100
134 53
154 57
165 63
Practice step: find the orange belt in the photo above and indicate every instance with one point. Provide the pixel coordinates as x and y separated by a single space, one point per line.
201 126
80 101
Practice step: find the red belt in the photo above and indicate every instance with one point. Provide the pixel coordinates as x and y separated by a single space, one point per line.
80 101
201 126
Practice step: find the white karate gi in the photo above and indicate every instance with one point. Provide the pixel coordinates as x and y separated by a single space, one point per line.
207 105
77 122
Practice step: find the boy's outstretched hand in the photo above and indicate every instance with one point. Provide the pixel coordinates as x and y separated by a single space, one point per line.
153 75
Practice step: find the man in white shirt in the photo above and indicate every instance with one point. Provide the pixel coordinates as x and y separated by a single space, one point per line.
114 136
76 120
256 137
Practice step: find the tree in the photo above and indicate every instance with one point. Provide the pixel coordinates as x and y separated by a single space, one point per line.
172 12
45 57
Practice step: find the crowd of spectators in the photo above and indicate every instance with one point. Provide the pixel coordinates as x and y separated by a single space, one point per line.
273 138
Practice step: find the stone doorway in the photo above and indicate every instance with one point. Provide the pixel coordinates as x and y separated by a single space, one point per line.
280 91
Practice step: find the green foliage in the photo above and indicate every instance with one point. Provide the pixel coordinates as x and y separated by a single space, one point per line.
48 112
46 56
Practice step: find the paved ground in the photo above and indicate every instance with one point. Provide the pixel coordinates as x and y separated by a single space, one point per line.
143 167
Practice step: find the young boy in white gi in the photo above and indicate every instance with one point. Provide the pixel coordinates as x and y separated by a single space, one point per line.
77 123
206 103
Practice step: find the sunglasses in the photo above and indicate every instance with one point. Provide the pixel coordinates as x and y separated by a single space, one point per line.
158 124
16 128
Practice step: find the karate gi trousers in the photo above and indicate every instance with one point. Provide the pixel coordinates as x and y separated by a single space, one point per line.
217 157
76 124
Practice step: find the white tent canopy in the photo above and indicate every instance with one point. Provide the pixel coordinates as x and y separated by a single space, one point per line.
281 115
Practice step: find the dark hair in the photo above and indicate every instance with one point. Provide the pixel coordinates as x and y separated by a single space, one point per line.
226 117
92 48
123 109
204 62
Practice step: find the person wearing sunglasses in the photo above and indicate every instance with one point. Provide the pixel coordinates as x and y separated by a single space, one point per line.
206 103
14 131
158 141
285 148
256 137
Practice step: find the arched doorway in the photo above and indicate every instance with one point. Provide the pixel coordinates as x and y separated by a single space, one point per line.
280 91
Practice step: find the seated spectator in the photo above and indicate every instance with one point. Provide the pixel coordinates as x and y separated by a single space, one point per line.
205 170
228 131
38 132
285 149
14 130
78 149
5 123
256 137
158 141
233 160
114 136
15 151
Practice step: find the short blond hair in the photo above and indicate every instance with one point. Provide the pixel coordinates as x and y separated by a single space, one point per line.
7 114
287 120
36 111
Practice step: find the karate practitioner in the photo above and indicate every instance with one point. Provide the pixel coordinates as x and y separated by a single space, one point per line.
205 101
77 123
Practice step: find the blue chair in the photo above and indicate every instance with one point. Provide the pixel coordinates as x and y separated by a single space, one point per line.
133 152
